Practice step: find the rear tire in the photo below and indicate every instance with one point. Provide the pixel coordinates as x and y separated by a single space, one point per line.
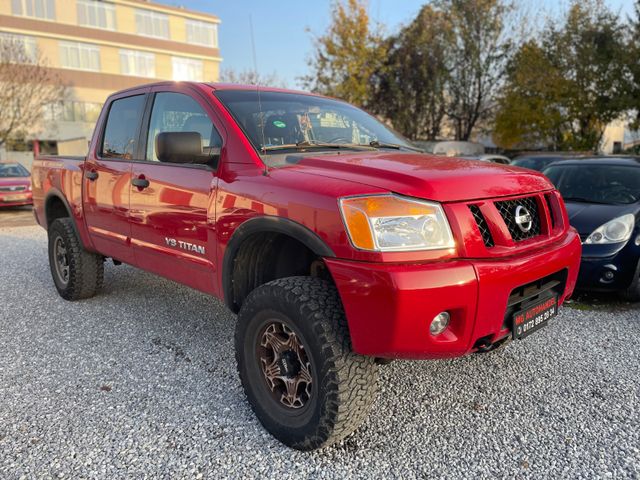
632 292
292 332
76 273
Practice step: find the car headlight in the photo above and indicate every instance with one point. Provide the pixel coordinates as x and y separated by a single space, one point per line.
617 230
391 223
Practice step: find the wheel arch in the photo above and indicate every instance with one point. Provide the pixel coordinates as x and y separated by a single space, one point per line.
266 227
56 206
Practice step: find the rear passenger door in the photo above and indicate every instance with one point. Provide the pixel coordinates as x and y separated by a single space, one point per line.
172 232
107 177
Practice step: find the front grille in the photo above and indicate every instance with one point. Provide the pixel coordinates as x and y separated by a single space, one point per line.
482 225
508 210
19 188
552 216
526 295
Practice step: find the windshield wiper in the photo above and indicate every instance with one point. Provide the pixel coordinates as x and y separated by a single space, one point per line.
312 144
396 146
585 200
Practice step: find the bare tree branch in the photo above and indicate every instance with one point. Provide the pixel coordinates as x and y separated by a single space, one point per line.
27 86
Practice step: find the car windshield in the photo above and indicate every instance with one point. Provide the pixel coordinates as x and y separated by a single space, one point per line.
609 184
8 170
534 163
276 122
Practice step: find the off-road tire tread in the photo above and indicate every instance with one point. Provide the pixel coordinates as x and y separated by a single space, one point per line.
86 269
350 379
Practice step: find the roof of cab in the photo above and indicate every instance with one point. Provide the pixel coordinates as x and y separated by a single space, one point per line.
220 86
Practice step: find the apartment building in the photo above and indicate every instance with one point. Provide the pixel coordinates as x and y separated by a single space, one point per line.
98 47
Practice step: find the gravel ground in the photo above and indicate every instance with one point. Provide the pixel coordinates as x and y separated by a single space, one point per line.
16 217
140 382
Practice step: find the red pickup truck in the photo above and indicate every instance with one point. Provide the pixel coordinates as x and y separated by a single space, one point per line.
339 245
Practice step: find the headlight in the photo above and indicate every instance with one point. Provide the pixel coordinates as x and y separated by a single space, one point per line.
617 230
390 223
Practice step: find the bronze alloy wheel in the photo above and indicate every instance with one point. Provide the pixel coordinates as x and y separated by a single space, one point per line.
285 365
302 380
61 260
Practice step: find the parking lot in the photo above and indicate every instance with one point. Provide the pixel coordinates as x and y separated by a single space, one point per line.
140 381
16 217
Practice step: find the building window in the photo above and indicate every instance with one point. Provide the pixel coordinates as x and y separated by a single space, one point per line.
96 14
202 33
79 56
20 48
187 69
138 64
152 24
34 8
72 112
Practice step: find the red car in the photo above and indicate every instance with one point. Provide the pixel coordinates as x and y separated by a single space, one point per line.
15 185
338 244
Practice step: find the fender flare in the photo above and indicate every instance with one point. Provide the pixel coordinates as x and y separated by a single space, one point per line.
54 193
266 224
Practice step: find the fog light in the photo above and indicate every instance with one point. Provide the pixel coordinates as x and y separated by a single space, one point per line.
439 323
638 240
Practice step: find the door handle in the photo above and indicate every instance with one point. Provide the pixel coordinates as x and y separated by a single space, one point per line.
140 182
91 175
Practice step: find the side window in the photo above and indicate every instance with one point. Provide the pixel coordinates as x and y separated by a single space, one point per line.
176 112
120 135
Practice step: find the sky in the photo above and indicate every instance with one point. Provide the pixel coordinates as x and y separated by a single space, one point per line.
284 29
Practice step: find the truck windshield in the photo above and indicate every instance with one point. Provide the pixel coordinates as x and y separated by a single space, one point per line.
277 122
8 170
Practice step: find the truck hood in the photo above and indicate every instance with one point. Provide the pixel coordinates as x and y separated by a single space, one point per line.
443 179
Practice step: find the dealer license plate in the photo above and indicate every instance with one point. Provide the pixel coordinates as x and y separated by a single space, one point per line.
533 318
12 198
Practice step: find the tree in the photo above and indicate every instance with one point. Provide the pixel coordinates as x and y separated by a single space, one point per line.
529 110
347 55
476 61
251 77
634 66
27 86
586 84
410 86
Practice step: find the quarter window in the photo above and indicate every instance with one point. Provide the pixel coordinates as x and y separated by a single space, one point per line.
202 33
96 14
152 24
34 8
80 56
176 112
139 64
187 69
120 135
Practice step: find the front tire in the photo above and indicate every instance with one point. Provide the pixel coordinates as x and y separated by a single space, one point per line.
303 381
76 273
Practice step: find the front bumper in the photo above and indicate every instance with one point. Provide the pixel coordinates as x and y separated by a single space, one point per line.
389 306
16 199
600 271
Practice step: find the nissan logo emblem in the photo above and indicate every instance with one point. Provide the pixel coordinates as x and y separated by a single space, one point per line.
523 219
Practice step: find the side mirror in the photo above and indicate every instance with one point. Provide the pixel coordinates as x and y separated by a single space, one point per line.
181 147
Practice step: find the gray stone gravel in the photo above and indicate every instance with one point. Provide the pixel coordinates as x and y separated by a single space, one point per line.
140 382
